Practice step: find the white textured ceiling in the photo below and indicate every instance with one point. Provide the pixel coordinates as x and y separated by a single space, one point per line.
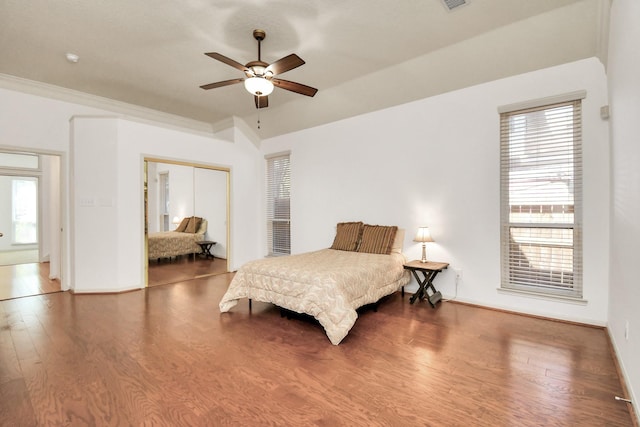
362 55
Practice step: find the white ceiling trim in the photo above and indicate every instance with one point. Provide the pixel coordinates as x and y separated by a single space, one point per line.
604 13
122 109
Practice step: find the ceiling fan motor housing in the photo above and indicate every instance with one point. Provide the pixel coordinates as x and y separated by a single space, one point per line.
258 69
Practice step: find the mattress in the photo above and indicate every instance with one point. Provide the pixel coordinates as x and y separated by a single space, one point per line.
327 284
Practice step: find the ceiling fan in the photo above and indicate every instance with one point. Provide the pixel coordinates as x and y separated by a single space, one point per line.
260 76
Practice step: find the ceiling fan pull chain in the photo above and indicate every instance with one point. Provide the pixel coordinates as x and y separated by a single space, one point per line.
258 118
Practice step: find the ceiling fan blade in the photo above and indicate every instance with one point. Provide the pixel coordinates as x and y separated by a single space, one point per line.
228 61
285 64
295 87
261 101
222 83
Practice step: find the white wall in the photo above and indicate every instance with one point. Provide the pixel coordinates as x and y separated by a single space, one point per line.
51 234
435 162
211 204
137 141
134 142
94 202
45 194
624 93
37 123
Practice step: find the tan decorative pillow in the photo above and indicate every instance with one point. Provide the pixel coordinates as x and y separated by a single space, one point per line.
347 236
377 239
194 224
203 227
183 225
398 242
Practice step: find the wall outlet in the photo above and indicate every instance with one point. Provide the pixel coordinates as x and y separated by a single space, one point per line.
458 272
626 330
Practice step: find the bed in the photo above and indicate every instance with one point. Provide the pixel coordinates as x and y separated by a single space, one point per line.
182 241
328 284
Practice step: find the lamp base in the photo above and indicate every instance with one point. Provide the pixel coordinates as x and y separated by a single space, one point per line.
424 252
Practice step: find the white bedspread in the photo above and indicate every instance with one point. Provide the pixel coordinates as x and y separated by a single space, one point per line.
327 284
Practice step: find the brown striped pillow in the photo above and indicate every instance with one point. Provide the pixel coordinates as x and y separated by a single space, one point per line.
194 224
377 239
183 225
347 236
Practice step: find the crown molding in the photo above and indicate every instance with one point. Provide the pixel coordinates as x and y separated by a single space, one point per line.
547 100
602 33
121 109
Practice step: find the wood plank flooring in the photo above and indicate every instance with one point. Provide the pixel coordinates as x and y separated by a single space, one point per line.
183 268
26 279
21 280
167 356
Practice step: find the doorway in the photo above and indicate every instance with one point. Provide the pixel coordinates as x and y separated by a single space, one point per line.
30 215
19 219
174 191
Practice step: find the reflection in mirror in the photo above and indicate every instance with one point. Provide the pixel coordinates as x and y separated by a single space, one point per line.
187 222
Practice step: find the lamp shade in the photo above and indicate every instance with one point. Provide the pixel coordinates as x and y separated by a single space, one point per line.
258 86
176 220
423 235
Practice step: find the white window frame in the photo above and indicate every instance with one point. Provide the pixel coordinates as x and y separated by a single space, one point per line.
541 196
278 203
164 201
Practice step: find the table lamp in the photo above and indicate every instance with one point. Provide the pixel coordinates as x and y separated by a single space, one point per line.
423 235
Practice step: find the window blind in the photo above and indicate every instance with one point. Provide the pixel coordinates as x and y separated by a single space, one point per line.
278 205
541 199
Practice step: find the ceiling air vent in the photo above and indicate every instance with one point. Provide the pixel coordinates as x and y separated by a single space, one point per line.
452 4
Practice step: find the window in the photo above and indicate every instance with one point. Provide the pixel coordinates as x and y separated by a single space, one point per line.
278 205
24 213
164 200
541 199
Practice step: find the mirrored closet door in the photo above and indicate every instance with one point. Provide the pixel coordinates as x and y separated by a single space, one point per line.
186 221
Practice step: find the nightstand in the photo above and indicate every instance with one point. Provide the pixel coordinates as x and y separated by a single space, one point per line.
429 272
205 248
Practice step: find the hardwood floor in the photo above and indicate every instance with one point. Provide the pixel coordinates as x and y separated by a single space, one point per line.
183 268
26 279
166 356
21 280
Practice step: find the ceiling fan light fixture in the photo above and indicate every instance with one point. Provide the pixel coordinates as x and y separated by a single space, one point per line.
258 86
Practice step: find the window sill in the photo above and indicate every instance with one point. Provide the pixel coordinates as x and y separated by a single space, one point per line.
547 297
